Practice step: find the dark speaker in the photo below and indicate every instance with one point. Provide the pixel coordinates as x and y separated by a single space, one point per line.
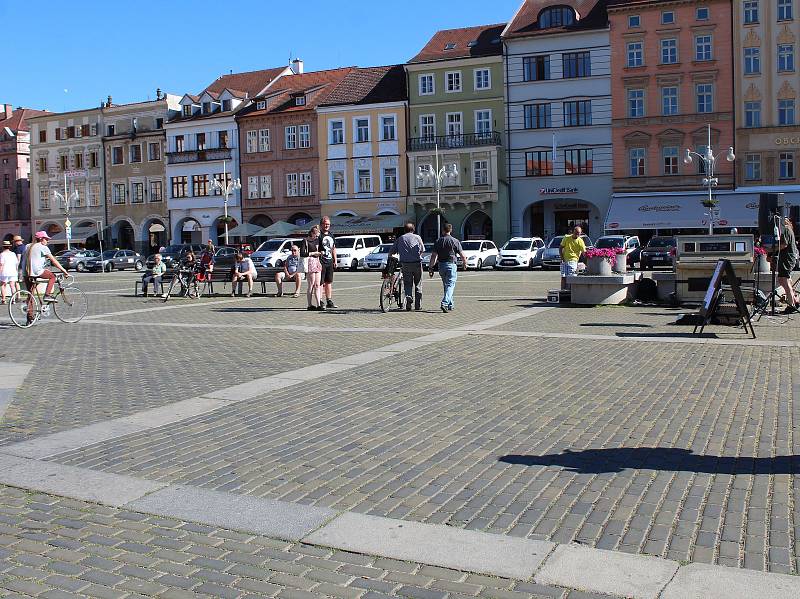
769 204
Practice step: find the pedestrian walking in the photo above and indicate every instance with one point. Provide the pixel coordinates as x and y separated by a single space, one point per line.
18 246
786 262
571 249
444 253
310 252
292 269
245 270
410 247
327 259
9 272
154 276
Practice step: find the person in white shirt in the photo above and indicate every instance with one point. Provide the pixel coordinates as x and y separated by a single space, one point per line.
34 262
9 272
245 270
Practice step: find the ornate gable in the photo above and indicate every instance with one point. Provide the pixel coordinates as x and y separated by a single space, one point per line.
786 36
752 94
786 92
751 40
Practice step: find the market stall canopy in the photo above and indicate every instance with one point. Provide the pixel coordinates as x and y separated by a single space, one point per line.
79 235
353 225
281 229
680 211
245 230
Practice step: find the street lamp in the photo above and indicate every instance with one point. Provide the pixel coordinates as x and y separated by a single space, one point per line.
436 178
709 161
66 199
226 190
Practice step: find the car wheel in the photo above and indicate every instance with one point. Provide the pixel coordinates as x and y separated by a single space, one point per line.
531 264
139 266
479 266
354 265
80 267
109 267
278 263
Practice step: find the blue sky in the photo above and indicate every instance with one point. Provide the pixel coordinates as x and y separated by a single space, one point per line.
67 56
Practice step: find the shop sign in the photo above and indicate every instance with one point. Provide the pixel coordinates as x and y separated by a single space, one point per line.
787 141
545 191
389 205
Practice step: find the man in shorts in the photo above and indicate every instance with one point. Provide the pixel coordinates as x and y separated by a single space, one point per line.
572 246
327 258
244 270
291 272
35 260
787 260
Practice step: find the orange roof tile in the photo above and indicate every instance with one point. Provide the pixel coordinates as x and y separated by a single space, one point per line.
19 118
467 42
251 82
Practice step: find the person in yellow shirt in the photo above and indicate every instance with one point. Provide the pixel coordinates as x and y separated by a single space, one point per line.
572 247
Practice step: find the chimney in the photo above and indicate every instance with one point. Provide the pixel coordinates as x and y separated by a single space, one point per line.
8 110
297 66
108 102
158 93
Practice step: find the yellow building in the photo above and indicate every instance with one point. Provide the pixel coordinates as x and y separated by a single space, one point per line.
362 135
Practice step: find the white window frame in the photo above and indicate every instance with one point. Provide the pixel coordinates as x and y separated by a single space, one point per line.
447 89
156 197
752 163
710 47
133 192
425 76
787 7
252 141
384 178
117 190
359 171
698 13
304 136
664 97
634 21
750 10
789 110
383 118
265 186
113 149
357 130
422 126
631 52
697 97
785 58
130 154
479 111
44 198
642 158
641 101
671 20
460 122
252 187
752 61
671 156
480 167
261 105
292 185
150 145
305 184
476 80
331 132
667 50
264 140
334 178
290 137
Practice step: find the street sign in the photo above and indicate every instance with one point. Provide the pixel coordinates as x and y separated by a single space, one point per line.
74 174
67 223
69 232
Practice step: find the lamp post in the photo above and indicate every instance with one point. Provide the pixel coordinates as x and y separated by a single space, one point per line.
436 178
226 189
66 199
709 161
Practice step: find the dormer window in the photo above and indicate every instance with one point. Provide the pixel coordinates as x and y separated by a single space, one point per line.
450 46
300 101
187 110
261 105
556 16
206 107
226 105
472 44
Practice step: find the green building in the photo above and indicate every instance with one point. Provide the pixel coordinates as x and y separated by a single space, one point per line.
457 120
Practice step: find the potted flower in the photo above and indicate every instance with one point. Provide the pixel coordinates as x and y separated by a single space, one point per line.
599 261
713 203
760 262
620 264
437 212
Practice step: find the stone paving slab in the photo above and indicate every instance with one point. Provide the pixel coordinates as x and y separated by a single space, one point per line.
700 581
682 452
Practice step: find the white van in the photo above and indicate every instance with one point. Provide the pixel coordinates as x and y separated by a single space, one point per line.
351 250
273 253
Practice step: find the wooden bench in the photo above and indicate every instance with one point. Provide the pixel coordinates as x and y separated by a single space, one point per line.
263 275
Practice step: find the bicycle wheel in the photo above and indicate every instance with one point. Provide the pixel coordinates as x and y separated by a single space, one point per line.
386 295
176 286
72 305
18 308
397 290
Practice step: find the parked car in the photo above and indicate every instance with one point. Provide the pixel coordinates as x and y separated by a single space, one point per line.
224 258
521 252
426 255
273 253
173 254
116 260
630 244
352 249
479 254
376 259
76 259
552 254
656 253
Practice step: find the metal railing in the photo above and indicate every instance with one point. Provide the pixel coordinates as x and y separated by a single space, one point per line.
199 155
445 142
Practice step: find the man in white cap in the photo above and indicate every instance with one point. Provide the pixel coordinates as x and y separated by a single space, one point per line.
34 262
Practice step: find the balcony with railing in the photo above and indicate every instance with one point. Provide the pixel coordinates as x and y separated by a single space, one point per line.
454 142
199 155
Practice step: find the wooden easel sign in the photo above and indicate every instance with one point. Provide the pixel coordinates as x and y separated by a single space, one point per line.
723 271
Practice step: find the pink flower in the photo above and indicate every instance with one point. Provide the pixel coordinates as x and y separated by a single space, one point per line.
606 253
759 251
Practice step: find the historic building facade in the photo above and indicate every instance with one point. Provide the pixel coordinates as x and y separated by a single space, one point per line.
135 181
67 155
362 134
279 152
203 147
457 117
766 96
558 92
15 168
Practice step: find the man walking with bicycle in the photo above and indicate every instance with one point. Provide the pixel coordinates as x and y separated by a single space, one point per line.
410 248
34 263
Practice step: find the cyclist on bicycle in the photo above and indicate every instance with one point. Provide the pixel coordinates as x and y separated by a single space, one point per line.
34 263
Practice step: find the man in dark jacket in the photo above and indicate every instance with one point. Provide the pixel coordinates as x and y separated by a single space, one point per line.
410 248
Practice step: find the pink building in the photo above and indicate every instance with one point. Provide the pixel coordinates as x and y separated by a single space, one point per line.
15 168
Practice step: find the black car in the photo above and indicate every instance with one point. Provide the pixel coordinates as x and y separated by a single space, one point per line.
173 254
657 253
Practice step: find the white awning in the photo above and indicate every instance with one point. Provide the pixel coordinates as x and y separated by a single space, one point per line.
680 211
156 228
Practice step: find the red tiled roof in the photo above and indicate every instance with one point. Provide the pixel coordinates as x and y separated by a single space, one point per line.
19 118
252 82
449 44
370 85
591 15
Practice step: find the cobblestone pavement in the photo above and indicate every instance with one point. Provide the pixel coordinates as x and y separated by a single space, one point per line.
58 548
686 451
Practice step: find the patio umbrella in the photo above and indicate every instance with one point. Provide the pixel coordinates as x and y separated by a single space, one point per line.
280 229
244 230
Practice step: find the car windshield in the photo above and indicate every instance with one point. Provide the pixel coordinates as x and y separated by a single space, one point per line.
109 254
382 249
661 242
471 246
517 245
272 245
610 243
428 247
66 253
555 242
344 242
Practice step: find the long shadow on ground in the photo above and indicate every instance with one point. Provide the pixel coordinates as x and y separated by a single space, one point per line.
596 461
